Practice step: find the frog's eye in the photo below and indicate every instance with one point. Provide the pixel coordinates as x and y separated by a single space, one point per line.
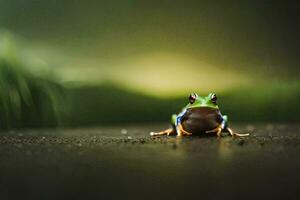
193 97
213 98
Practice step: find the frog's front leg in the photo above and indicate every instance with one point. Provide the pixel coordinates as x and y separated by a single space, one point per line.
216 130
176 121
221 127
181 131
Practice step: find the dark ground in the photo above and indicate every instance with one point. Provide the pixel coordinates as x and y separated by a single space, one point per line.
125 163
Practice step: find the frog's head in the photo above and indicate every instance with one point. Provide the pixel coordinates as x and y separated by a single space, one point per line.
196 101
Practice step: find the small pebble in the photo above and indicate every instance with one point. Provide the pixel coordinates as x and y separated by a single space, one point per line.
124 131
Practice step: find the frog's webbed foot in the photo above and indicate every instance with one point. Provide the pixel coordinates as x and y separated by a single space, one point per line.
236 134
216 130
169 131
181 131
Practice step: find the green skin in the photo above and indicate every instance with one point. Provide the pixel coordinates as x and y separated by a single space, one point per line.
200 102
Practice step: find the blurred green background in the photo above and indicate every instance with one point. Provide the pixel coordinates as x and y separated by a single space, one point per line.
78 63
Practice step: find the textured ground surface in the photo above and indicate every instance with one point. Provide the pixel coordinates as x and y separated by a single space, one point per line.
124 162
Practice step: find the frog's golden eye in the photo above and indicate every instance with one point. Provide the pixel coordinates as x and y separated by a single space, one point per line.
193 97
214 98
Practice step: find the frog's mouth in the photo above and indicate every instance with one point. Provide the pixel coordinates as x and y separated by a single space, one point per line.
201 119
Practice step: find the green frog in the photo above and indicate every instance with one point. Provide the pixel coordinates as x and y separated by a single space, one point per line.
201 116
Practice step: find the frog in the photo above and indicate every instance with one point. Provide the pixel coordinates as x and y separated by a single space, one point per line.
201 116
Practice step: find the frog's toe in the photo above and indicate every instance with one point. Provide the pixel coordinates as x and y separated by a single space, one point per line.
152 133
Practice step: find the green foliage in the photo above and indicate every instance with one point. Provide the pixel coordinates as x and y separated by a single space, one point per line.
277 101
92 105
27 100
